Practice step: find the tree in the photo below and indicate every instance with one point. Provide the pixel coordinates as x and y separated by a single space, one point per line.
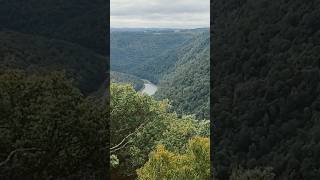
49 129
130 112
139 123
252 174
193 164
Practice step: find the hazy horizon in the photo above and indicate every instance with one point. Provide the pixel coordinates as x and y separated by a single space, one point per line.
178 14
200 27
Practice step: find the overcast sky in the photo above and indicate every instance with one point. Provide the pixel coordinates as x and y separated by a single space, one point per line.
160 13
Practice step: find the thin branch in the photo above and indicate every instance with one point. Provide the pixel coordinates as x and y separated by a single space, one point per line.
123 140
115 148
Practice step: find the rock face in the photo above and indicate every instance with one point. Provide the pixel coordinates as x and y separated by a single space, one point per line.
265 87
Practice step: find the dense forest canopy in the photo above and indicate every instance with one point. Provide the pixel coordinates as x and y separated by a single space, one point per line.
81 22
49 129
52 59
39 54
188 85
142 124
117 77
145 54
266 93
53 35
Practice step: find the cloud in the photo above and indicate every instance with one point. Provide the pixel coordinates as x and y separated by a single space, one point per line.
160 13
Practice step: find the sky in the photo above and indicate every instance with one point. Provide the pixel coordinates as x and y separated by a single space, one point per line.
160 13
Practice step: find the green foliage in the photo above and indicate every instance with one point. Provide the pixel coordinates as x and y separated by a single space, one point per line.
266 86
117 77
49 130
35 54
179 130
188 85
168 130
150 54
193 164
130 112
252 174
149 123
114 161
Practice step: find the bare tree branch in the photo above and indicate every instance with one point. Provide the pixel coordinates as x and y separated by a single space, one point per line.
123 140
122 144
114 150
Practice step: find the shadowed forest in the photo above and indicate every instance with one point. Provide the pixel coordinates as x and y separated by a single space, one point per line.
265 87
53 122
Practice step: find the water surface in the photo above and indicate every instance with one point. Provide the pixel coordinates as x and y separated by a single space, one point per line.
149 88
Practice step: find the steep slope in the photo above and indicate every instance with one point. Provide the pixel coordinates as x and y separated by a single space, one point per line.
117 77
78 21
266 87
176 60
38 54
145 54
187 86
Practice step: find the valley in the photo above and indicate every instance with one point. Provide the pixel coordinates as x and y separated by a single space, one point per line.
55 101
175 62
160 78
60 119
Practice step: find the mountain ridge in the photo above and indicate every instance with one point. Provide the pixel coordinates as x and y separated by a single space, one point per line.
83 65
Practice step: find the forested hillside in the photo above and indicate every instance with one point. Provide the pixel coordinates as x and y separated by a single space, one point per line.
188 85
52 57
266 90
145 54
79 21
117 77
176 60
33 53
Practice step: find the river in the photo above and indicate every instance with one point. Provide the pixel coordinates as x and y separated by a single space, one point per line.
149 88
